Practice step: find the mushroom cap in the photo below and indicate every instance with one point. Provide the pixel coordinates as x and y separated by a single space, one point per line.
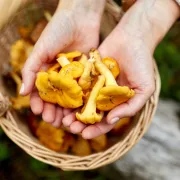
74 69
46 91
50 136
81 147
99 143
111 96
71 55
63 90
112 65
20 102
122 122
92 119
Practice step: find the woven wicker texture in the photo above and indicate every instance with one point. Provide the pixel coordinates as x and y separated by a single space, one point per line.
16 128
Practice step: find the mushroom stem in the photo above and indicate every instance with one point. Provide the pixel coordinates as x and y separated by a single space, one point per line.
83 59
63 61
102 68
85 79
89 114
94 93
47 15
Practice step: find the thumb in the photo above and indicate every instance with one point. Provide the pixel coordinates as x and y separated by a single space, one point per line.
130 108
53 39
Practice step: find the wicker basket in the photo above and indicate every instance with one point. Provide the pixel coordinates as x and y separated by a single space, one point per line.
17 130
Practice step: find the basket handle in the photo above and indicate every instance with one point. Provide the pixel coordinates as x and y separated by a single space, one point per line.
4 105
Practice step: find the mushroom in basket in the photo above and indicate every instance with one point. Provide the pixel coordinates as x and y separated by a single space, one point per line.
53 138
20 51
81 147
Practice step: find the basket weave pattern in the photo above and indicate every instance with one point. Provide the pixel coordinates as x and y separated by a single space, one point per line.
19 134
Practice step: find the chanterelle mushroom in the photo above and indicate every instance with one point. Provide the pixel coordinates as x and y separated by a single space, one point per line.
87 78
83 59
99 143
112 66
71 55
89 114
111 95
74 69
63 90
20 51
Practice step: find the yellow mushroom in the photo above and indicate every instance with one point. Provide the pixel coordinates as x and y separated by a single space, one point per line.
54 67
122 122
63 90
47 15
74 69
83 59
121 126
81 147
19 102
50 136
63 61
112 65
89 114
111 95
20 51
99 143
71 55
85 81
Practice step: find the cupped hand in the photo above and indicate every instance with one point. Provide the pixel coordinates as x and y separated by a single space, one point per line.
70 29
132 44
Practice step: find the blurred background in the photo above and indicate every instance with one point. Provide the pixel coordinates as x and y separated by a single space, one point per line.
16 164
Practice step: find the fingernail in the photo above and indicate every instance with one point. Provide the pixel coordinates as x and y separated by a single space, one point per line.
114 120
22 89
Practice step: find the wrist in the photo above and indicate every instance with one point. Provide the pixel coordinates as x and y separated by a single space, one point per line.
150 20
85 8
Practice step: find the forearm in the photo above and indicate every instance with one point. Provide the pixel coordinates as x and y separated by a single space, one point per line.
150 20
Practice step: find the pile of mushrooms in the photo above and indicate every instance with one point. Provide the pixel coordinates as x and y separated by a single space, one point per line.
76 81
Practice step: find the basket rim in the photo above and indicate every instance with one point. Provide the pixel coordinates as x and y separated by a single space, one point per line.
96 160
11 130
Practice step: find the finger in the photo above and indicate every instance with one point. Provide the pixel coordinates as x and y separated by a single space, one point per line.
58 117
128 109
77 127
96 130
49 112
36 103
67 111
69 119
45 50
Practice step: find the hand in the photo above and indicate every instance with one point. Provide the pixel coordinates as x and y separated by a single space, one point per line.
132 44
75 26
